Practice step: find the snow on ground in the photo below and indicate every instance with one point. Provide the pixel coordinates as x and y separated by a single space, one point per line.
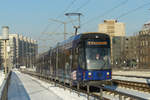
64 94
2 77
31 69
16 90
25 87
31 88
134 73
132 79
67 95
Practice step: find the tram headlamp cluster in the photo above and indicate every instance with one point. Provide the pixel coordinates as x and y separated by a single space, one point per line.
108 73
89 73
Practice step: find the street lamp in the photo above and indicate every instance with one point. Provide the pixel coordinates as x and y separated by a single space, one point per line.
5 38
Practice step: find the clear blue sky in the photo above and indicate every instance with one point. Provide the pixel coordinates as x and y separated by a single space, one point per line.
30 17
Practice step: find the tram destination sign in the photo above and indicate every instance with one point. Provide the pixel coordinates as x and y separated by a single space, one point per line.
97 43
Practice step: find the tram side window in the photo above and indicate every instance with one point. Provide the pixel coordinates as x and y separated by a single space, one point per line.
54 62
63 60
75 59
81 58
60 60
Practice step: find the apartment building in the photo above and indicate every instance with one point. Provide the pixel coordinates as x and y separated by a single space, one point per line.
144 46
19 50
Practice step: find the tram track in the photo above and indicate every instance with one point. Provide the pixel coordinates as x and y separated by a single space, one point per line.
104 92
143 87
131 84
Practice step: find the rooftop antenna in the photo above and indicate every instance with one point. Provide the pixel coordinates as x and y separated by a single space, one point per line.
76 26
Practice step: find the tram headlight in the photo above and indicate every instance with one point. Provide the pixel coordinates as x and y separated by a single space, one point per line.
89 73
108 73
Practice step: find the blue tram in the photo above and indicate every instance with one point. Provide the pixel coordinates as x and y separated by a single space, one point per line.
84 57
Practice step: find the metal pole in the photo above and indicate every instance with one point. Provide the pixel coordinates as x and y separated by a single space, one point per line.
79 21
88 91
62 22
30 61
70 86
78 86
76 30
120 97
64 31
56 63
5 59
101 94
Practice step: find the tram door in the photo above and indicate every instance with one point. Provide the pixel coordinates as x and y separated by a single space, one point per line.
68 63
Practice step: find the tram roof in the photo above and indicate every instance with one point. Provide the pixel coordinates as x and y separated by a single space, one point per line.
76 37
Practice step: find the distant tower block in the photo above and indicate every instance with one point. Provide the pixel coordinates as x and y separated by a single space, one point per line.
112 28
5 32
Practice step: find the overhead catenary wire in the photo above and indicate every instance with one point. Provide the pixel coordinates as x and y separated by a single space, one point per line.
106 12
133 10
55 30
82 5
79 8
44 30
67 8
103 14
85 3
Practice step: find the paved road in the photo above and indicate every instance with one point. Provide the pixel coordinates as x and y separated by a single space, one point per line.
23 87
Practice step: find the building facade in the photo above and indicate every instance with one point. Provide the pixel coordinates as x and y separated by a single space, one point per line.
128 51
21 50
144 46
118 50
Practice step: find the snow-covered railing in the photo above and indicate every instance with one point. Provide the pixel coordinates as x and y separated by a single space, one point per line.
4 87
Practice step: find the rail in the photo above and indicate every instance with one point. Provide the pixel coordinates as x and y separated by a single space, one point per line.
4 87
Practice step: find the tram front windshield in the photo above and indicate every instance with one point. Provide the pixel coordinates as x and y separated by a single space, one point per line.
98 58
